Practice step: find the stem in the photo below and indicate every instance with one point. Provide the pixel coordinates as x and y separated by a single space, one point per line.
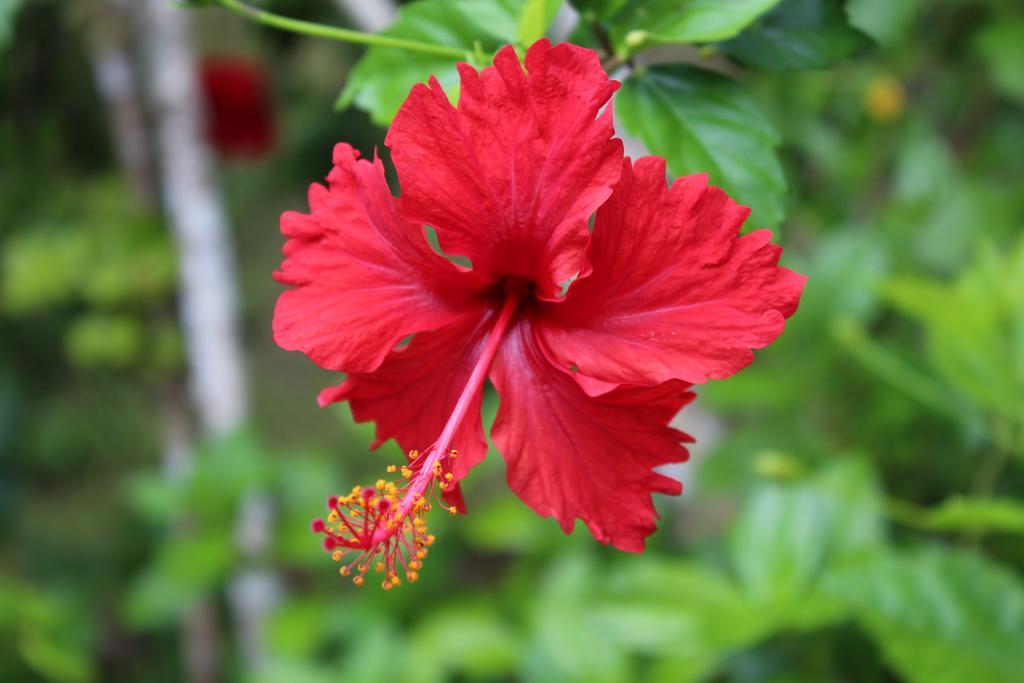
310 28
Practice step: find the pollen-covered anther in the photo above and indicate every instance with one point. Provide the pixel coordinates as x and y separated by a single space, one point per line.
383 526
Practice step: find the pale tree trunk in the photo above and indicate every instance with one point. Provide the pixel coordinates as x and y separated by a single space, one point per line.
208 301
564 23
117 81
369 15
195 210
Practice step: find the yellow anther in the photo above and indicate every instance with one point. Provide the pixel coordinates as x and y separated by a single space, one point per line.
398 554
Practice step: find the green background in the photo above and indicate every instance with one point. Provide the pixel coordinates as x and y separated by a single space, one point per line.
853 512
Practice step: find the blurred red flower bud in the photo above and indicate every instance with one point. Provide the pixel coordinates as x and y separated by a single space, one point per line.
239 111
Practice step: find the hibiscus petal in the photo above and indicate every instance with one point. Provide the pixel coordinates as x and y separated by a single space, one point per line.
413 392
362 277
511 176
573 456
674 292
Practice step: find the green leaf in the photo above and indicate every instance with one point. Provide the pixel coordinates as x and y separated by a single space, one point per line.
285 671
788 536
940 616
104 340
535 19
154 498
300 485
166 349
377 652
227 468
295 630
43 267
567 645
467 638
847 267
691 21
680 610
926 166
855 509
797 34
961 514
599 9
786 540
381 80
184 569
919 385
887 21
705 123
140 268
1001 45
52 631
975 333
8 14
506 525
51 656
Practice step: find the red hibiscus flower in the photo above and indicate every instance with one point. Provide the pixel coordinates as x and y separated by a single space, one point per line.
662 293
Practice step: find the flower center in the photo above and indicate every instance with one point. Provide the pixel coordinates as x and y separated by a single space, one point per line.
384 526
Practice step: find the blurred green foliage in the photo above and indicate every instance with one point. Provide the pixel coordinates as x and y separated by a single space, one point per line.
95 253
858 517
